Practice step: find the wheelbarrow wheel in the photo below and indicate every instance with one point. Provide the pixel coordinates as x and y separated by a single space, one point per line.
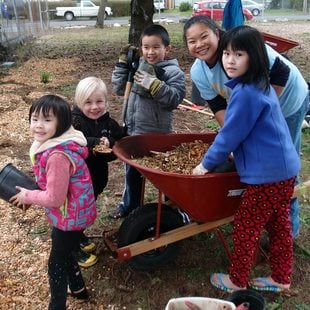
140 224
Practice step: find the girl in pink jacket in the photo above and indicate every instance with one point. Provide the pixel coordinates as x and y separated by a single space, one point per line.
58 156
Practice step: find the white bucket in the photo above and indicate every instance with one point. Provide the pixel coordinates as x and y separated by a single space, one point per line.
199 303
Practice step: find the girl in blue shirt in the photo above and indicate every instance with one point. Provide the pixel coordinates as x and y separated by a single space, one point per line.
202 36
256 133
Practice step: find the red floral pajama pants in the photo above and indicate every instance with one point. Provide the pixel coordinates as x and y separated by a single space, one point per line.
267 207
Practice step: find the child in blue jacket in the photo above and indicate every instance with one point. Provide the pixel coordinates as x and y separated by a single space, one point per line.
256 133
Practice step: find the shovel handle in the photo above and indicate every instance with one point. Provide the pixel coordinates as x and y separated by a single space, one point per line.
127 90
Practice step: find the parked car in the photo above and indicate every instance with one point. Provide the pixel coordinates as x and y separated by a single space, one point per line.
215 9
254 7
159 5
82 9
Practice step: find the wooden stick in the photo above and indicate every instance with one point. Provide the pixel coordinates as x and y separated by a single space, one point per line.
188 102
196 110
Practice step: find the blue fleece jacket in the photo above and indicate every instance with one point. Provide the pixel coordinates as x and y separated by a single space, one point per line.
257 134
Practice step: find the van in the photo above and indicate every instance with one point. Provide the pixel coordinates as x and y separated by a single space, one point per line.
8 11
159 5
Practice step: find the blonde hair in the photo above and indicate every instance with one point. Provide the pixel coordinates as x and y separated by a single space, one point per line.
86 87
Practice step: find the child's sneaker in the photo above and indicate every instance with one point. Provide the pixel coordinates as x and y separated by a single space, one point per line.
85 259
87 246
81 295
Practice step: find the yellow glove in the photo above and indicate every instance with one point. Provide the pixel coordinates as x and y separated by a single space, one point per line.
123 55
148 81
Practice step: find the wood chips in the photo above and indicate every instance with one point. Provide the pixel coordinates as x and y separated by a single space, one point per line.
102 148
181 159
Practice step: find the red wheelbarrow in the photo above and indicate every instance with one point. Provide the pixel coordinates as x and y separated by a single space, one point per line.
279 44
150 235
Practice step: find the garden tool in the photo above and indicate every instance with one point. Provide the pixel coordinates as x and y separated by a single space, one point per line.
194 107
131 62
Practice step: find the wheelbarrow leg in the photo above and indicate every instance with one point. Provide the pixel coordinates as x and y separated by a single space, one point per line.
158 215
223 240
142 191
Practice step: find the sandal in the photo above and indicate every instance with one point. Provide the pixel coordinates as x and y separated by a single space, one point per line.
116 214
264 284
217 280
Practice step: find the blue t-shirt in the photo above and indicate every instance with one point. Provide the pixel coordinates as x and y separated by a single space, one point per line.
211 82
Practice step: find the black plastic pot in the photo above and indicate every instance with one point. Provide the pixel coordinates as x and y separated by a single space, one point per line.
256 301
10 177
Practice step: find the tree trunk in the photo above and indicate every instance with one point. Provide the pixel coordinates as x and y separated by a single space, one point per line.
141 12
304 7
101 13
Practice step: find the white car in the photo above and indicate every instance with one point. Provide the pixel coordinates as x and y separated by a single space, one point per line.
255 8
84 8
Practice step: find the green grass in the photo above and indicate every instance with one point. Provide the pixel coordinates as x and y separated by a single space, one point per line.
67 90
282 12
305 158
266 12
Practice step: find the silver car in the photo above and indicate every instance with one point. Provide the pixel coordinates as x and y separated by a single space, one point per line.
254 7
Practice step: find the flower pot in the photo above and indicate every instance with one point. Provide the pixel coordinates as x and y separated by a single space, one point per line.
10 177
256 301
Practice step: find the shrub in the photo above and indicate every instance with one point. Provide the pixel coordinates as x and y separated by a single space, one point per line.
184 6
120 8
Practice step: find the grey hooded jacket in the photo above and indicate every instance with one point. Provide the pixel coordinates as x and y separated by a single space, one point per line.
147 114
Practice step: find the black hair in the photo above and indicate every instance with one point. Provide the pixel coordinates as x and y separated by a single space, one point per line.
250 40
202 19
156 30
58 106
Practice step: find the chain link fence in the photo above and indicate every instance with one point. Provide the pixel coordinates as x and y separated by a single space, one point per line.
22 19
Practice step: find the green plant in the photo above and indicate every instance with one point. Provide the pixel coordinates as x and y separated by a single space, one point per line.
212 125
45 77
185 6
302 307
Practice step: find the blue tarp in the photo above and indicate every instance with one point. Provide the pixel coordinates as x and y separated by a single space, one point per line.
233 15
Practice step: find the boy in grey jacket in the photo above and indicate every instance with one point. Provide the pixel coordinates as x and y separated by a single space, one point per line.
158 88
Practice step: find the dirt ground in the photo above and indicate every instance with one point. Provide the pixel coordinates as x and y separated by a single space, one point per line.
24 237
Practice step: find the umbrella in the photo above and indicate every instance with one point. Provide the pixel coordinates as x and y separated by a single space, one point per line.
233 14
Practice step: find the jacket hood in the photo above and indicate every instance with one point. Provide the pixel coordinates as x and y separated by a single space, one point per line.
70 135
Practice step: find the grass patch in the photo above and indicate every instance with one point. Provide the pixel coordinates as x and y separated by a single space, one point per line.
67 90
305 158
